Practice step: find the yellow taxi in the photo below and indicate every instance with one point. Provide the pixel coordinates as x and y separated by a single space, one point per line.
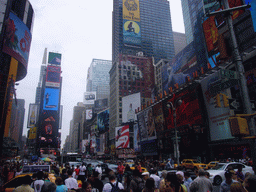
132 166
192 164
212 164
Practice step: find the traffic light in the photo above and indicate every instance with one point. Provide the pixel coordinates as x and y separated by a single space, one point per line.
225 100
217 101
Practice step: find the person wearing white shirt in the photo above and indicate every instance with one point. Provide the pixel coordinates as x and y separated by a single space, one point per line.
99 170
82 171
156 178
112 179
71 182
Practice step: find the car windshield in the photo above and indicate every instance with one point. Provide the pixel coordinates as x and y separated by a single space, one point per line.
196 161
219 166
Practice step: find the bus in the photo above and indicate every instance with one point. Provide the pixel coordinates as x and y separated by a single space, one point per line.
72 157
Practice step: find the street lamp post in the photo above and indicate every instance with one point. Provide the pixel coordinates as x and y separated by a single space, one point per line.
173 107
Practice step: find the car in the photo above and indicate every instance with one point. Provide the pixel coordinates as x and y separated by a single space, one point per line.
192 164
132 166
217 173
211 164
26 170
75 163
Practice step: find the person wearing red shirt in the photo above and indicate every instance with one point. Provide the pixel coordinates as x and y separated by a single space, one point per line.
120 171
77 170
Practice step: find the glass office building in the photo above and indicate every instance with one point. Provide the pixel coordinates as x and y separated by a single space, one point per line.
156 30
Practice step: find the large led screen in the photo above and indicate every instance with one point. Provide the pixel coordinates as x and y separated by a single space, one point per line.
89 98
54 58
129 104
51 99
53 76
122 137
17 39
103 121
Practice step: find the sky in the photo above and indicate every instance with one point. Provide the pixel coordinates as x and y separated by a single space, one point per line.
81 30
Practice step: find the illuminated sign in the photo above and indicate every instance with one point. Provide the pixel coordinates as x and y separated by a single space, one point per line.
51 99
122 137
53 76
54 58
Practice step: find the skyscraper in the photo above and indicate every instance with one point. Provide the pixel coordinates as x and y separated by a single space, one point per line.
155 30
142 35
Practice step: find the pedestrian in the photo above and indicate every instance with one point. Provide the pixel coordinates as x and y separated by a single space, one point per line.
201 183
37 185
26 181
162 186
112 183
225 185
87 186
137 184
89 170
60 185
250 183
150 186
187 180
127 177
180 177
48 187
99 170
156 178
173 184
237 187
77 170
120 171
82 172
96 182
239 173
71 182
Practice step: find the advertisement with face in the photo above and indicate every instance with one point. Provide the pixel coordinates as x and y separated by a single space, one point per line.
51 99
158 117
129 104
17 39
89 98
183 65
142 126
54 58
150 124
103 121
217 117
122 137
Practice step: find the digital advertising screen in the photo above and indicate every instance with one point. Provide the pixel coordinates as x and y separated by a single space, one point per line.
33 115
103 121
53 76
51 99
89 98
129 104
122 137
54 58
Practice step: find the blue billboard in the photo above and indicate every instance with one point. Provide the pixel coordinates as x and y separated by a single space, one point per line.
103 121
131 32
51 99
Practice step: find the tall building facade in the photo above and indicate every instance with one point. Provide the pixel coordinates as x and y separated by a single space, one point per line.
141 36
156 30
179 41
98 74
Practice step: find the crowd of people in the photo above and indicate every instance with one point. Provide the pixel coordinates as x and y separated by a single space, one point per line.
86 178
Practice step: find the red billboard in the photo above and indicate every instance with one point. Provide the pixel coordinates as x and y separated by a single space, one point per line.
53 76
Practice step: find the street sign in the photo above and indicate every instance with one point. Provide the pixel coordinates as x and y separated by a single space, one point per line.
234 104
228 74
222 85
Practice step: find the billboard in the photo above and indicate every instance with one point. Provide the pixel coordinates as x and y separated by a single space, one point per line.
217 117
88 114
101 103
142 126
129 104
131 22
149 123
85 143
32 133
33 115
17 39
183 65
89 98
158 117
103 121
51 99
49 129
136 138
54 58
122 137
53 76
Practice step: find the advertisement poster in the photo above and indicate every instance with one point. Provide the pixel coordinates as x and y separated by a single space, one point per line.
182 66
17 39
103 121
32 133
131 22
158 117
85 143
101 104
142 126
51 99
89 98
149 123
122 137
33 115
88 114
217 117
129 104
136 138
53 76
54 58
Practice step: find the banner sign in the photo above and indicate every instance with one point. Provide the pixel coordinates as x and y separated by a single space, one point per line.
54 58
32 115
89 98
129 104
53 76
103 121
51 99
17 39
122 137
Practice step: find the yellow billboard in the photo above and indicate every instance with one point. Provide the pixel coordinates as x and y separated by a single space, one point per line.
131 10
32 133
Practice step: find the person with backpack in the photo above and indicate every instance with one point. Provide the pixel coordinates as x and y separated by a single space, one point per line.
137 184
113 185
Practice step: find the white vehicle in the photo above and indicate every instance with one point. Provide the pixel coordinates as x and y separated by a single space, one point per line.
217 173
